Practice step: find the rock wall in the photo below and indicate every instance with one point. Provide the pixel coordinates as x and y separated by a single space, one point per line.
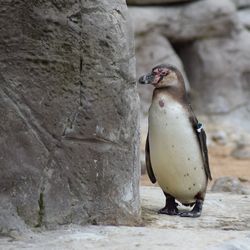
208 40
69 114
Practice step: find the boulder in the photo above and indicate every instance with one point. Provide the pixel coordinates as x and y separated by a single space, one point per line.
219 73
241 4
229 184
244 18
242 151
220 137
69 113
182 23
155 2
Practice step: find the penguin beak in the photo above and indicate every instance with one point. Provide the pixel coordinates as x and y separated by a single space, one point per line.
147 79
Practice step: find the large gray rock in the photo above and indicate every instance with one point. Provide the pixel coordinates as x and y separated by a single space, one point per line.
197 20
242 150
244 17
69 113
153 2
241 4
219 73
229 184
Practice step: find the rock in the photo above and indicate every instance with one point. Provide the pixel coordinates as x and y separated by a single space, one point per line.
241 152
219 137
69 113
240 4
219 71
143 163
10 223
244 17
197 20
228 184
154 2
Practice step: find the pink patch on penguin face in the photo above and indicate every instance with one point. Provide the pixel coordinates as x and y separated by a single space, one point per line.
159 73
161 103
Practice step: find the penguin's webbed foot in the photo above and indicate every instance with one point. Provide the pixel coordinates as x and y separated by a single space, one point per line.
169 209
195 212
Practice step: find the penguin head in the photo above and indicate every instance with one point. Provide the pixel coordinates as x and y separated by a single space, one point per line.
162 76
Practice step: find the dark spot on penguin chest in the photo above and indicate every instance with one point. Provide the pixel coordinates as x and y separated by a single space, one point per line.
161 103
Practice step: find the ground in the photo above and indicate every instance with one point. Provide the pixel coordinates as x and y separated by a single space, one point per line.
224 224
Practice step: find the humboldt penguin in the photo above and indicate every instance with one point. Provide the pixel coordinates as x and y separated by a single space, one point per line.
176 150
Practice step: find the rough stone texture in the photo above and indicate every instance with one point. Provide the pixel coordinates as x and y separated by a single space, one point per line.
244 17
241 4
211 41
69 113
219 137
242 151
153 2
229 184
219 71
224 225
197 20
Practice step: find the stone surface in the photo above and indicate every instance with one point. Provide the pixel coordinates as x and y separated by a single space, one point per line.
241 4
153 2
219 71
224 224
244 17
197 20
229 184
242 151
69 114
219 137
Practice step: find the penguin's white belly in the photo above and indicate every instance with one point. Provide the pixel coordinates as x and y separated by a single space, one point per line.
174 150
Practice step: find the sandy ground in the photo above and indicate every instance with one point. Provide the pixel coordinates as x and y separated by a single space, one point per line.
222 164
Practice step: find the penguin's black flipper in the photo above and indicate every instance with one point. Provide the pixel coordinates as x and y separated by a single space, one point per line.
203 144
202 138
148 163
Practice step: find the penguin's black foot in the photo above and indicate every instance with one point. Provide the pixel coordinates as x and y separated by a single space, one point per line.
170 207
169 211
195 212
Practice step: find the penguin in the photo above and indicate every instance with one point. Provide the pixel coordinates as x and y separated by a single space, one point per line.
176 150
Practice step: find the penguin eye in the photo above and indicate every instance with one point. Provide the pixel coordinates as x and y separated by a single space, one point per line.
157 71
160 71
